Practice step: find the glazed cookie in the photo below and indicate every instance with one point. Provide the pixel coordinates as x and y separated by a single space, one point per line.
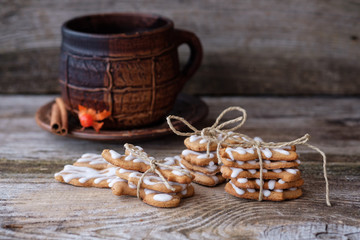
151 197
86 177
254 164
210 169
92 160
199 158
132 163
268 184
150 181
198 144
206 180
271 195
246 154
287 175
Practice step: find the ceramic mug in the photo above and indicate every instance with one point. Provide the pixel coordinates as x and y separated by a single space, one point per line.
126 63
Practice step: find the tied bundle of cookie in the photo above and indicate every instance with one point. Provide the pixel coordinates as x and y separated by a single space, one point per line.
204 166
124 174
248 162
281 176
160 183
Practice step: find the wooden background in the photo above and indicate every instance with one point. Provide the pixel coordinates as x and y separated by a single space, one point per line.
267 47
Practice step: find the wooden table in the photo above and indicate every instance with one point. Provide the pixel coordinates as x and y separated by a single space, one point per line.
33 205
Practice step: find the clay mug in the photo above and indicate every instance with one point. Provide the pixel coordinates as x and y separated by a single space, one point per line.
126 63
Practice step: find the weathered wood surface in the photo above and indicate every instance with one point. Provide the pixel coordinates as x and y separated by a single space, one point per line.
34 206
251 47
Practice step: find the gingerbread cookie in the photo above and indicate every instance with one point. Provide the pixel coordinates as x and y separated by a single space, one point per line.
151 197
150 181
199 144
272 195
92 160
208 180
254 164
268 184
199 158
246 154
86 177
287 175
204 179
132 163
210 169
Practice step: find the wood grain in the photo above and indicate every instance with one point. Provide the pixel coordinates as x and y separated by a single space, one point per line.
263 47
34 206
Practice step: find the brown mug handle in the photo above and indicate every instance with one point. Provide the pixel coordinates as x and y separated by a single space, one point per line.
192 65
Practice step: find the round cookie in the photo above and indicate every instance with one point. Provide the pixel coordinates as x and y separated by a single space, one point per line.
287 175
268 184
199 158
254 164
275 195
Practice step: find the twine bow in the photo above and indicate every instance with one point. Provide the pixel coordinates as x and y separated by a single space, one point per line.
216 133
241 140
154 164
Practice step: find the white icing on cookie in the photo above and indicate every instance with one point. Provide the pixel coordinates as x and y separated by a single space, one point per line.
235 172
111 182
200 155
250 190
122 170
291 170
239 191
114 154
131 185
292 189
153 180
278 190
282 151
271 184
215 178
252 171
239 150
267 152
266 193
242 180
92 159
162 197
281 181
194 138
84 174
184 192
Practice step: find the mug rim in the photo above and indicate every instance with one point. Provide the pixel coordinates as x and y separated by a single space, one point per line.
168 25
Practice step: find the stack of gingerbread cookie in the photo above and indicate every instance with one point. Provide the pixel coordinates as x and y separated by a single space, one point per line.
281 176
205 167
153 190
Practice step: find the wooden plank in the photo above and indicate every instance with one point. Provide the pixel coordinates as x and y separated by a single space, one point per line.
262 47
34 206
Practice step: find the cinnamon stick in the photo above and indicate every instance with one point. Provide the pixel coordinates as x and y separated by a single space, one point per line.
55 121
63 115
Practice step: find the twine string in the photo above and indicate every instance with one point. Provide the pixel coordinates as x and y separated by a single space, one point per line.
232 139
154 165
